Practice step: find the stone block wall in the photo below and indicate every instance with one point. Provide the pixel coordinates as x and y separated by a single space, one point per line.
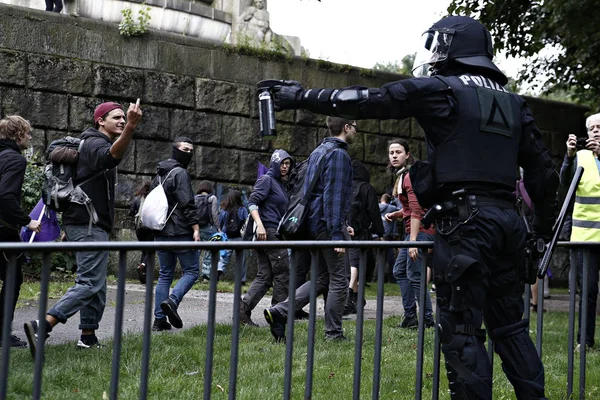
54 70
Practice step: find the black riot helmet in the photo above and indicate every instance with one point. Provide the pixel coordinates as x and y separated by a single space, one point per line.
457 40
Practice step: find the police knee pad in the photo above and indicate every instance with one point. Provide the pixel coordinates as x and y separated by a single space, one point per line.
456 276
505 332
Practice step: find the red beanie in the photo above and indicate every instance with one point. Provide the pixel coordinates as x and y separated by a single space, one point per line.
104 109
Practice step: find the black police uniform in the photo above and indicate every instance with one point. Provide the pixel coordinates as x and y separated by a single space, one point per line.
477 133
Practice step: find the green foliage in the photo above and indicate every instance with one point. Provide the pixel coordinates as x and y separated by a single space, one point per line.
522 28
129 27
276 50
32 184
403 67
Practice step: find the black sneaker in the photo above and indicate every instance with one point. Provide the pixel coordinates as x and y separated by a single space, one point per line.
160 324
168 307
301 315
90 343
336 338
14 341
409 323
429 323
31 332
245 316
276 323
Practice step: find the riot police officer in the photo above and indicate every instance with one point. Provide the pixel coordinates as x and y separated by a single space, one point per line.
477 133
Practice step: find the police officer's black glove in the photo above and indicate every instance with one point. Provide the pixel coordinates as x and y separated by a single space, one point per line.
286 94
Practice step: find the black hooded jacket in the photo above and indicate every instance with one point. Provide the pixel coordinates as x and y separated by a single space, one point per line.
178 188
368 197
12 173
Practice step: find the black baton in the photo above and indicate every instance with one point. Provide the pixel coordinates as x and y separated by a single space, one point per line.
560 221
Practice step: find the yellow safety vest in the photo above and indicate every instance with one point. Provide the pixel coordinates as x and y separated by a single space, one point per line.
586 213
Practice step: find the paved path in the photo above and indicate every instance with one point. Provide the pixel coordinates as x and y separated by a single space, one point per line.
194 311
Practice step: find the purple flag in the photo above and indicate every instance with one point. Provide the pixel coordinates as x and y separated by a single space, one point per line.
50 227
261 169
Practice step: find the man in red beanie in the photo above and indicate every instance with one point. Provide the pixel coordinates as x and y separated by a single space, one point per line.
101 151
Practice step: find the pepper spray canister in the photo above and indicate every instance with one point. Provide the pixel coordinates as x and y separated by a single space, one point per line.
266 113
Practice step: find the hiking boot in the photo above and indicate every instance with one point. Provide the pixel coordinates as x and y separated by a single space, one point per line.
31 331
89 342
277 324
301 315
429 323
160 324
14 341
141 272
170 308
245 314
336 338
409 323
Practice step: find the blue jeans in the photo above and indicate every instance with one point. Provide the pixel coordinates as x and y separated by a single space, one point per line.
206 256
88 296
226 257
408 276
168 260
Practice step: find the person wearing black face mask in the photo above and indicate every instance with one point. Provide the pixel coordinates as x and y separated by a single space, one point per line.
182 225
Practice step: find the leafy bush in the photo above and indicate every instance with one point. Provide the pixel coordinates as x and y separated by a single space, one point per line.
128 26
32 184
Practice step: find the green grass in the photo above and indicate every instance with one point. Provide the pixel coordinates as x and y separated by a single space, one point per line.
177 365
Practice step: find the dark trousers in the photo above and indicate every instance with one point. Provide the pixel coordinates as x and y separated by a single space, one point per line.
592 284
302 258
477 279
54 5
332 278
273 270
9 235
144 235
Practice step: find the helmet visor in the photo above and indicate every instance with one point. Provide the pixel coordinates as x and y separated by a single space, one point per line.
434 48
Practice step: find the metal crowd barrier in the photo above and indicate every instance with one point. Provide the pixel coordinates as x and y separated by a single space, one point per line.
46 249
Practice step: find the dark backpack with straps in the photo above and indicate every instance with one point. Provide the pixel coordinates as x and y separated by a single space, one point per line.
233 224
358 217
204 210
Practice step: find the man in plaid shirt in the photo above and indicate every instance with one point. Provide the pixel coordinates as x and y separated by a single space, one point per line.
328 207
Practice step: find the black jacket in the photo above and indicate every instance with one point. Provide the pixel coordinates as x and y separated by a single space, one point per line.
95 157
12 173
178 188
368 197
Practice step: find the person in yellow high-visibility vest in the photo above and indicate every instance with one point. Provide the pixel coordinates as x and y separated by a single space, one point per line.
586 212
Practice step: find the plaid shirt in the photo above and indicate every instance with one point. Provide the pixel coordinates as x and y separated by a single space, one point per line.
330 200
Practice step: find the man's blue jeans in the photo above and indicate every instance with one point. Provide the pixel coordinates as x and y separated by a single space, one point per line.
408 276
188 259
88 296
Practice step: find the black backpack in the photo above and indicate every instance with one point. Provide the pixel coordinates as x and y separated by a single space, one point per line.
203 205
296 180
358 217
233 224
